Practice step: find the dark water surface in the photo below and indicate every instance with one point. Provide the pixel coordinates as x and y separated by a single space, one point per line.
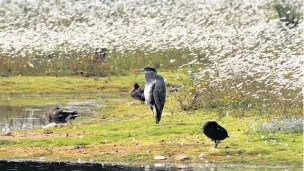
54 166
28 166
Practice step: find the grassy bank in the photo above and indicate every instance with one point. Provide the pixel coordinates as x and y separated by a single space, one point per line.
77 84
124 132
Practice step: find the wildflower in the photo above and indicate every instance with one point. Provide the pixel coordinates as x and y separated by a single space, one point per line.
192 89
172 60
31 65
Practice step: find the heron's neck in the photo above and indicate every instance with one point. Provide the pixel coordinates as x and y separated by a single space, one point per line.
150 77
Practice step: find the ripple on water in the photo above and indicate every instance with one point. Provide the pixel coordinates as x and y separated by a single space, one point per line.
24 117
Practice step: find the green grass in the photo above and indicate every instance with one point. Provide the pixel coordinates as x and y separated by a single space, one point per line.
123 133
77 84
179 134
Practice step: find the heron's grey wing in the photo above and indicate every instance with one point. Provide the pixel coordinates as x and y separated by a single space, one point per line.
159 93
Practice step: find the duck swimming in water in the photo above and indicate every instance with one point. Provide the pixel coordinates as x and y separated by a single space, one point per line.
62 116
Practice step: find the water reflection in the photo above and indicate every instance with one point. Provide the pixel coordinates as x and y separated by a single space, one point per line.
16 118
31 165
29 116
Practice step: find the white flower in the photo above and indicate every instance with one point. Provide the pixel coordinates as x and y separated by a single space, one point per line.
172 60
31 65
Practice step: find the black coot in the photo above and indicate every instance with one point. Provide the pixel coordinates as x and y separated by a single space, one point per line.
215 132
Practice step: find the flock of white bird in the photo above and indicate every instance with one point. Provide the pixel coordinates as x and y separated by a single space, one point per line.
238 39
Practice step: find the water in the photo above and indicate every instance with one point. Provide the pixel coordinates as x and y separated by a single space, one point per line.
17 117
22 116
28 166
33 165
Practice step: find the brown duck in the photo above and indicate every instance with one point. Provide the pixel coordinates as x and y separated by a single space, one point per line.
138 93
62 116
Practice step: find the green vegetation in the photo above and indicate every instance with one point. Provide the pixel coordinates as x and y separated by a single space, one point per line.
288 13
85 64
123 133
77 84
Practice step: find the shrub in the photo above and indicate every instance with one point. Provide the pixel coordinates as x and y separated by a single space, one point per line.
283 124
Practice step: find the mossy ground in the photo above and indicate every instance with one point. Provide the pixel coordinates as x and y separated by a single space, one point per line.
123 133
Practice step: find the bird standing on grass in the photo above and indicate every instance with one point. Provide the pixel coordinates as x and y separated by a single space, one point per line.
138 93
155 92
215 132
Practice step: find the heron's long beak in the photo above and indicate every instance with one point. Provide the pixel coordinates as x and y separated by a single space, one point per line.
137 70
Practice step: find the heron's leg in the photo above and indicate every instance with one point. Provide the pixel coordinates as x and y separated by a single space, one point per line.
152 111
216 143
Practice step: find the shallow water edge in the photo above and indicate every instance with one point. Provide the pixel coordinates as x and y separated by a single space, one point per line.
26 165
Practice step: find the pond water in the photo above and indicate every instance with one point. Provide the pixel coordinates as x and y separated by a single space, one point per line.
17 117
34 165
31 111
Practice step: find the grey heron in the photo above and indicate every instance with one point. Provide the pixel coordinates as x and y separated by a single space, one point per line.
154 92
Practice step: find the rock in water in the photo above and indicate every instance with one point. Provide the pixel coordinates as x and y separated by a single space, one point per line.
159 165
51 125
181 157
181 166
42 159
201 156
160 158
